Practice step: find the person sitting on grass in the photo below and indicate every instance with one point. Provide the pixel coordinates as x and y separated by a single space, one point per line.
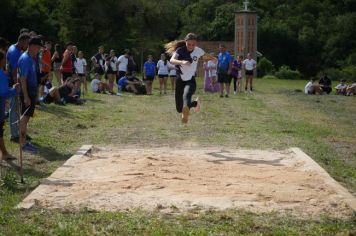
341 88
325 83
5 93
312 88
131 84
97 86
64 93
351 89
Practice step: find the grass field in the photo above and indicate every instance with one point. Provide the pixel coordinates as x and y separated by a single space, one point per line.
275 116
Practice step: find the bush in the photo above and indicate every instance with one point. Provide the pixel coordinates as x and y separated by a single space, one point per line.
264 67
286 73
347 73
269 77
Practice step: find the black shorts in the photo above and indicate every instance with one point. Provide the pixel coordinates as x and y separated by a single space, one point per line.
224 78
173 76
48 99
249 72
81 75
150 78
2 123
40 76
28 111
162 76
66 75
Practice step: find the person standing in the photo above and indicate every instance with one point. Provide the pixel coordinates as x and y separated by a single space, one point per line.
67 63
57 61
162 66
111 70
80 65
172 75
224 64
123 62
5 93
45 67
236 74
28 95
249 65
100 61
13 54
185 56
149 73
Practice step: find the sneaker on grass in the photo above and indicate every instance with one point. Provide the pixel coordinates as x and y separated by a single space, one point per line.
198 107
30 148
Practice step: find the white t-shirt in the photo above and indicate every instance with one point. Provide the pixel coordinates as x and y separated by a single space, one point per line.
172 69
308 88
249 64
95 85
341 86
212 68
162 68
188 71
113 63
80 65
124 61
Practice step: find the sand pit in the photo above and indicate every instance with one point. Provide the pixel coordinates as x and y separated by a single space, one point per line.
181 179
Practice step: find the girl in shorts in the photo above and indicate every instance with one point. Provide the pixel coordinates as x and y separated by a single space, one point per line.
149 73
185 56
163 71
172 75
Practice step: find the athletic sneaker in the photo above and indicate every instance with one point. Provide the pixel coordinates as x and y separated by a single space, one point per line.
198 107
119 94
185 114
30 148
221 95
234 92
227 95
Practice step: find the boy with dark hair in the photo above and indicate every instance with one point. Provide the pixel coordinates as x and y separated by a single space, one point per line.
13 54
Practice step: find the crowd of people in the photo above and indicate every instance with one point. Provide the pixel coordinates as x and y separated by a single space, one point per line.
324 86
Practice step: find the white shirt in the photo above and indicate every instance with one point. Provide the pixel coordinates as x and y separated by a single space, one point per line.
249 64
308 88
188 71
212 68
124 61
80 65
341 86
95 85
162 68
172 69
113 63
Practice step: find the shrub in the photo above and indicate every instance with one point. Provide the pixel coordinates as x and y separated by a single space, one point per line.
264 67
269 77
286 73
348 73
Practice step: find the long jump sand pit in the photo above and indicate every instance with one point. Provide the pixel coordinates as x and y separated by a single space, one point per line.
168 179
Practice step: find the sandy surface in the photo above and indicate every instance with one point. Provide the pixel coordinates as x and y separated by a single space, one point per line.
181 179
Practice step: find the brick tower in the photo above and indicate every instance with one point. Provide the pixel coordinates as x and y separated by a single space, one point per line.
246 32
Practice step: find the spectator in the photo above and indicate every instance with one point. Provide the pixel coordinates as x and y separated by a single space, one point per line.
224 67
325 83
111 70
236 74
341 88
312 88
131 64
81 69
97 85
4 44
249 65
57 61
5 93
45 67
28 80
162 66
210 81
13 55
149 73
67 62
172 76
351 89
99 61
123 62
131 84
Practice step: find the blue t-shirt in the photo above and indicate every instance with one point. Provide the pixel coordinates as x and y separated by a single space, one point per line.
224 60
12 57
5 93
123 82
150 68
27 68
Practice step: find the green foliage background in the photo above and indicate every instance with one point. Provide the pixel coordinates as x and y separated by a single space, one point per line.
306 35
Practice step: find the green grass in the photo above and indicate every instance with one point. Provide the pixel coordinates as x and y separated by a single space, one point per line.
276 116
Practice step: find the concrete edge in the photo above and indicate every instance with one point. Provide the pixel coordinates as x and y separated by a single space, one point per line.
26 203
348 197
